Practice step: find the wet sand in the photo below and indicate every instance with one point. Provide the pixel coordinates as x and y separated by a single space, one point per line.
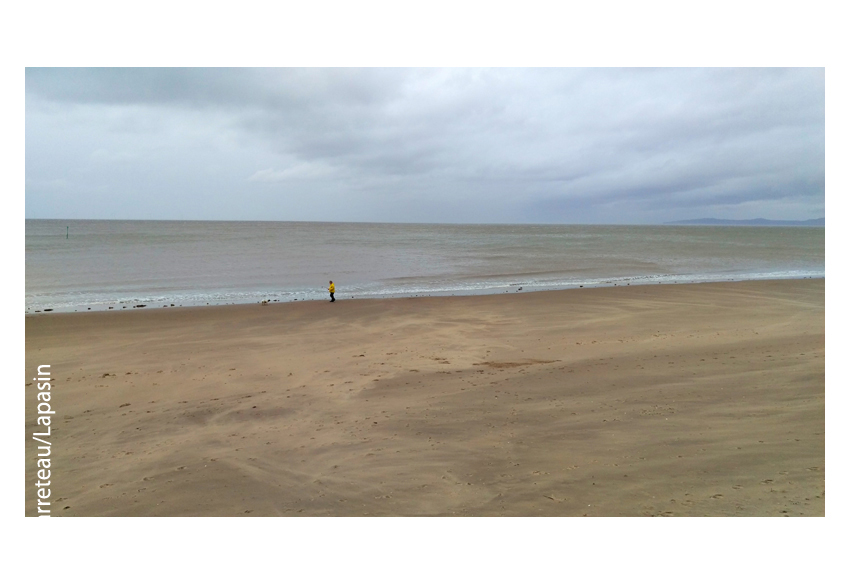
683 400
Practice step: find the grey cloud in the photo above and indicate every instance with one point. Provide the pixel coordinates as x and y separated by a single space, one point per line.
515 140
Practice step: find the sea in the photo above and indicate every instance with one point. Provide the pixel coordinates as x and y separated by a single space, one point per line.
81 265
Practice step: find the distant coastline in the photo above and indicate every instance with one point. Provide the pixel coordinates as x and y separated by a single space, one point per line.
757 222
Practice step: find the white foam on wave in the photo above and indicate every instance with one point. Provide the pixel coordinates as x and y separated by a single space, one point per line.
83 302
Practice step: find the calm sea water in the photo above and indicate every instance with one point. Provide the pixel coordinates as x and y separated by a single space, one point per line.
126 263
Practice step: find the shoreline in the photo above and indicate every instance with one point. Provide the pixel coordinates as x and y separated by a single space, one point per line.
685 399
524 288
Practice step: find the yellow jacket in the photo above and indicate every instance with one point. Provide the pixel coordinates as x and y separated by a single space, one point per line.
331 288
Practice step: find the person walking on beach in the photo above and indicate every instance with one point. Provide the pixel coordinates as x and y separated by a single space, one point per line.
331 289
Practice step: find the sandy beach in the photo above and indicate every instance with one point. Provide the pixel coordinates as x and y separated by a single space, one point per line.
675 400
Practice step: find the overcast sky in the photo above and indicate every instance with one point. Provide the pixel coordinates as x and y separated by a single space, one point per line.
425 145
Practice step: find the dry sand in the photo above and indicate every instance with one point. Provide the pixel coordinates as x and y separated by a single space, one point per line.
702 399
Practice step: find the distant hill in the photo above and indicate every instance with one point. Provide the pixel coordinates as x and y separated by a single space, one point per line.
809 223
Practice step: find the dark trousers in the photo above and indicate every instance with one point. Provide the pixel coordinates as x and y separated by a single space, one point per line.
332 297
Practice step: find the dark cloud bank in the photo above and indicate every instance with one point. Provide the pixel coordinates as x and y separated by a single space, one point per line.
429 145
